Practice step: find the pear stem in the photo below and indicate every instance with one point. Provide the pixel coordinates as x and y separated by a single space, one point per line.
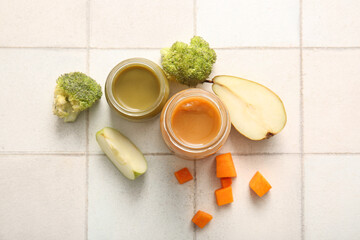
208 81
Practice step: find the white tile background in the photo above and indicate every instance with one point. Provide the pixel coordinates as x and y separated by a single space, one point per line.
56 184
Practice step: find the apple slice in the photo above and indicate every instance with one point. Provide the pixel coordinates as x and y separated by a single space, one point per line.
255 111
122 152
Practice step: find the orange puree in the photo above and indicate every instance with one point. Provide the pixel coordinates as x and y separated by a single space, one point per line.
196 120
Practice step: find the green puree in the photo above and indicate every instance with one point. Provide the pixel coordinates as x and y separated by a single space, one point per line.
136 87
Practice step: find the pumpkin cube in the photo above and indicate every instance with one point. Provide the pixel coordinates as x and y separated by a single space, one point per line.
183 175
224 196
259 184
201 219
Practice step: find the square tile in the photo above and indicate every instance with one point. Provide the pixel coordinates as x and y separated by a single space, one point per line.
42 197
139 23
41 23
154 206
331 23
145 135
277 70
248 23
332 197
277 215
331 100
27 93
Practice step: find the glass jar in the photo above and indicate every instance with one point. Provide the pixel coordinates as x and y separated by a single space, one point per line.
185 149
133 113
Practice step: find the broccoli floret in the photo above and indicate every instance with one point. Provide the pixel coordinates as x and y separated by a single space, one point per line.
188 64
74 93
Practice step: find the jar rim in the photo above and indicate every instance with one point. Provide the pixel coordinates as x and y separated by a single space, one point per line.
123 65
220 107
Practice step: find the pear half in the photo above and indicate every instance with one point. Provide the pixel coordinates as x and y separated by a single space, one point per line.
122 152
255 111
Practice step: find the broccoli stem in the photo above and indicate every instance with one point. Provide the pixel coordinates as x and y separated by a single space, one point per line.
71 117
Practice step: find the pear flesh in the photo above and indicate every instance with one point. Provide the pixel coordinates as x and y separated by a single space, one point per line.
122 152
255 111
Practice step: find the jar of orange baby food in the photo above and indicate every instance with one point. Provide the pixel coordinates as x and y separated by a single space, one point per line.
195 123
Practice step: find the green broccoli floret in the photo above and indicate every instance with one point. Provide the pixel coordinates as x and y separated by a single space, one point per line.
188 64
74 93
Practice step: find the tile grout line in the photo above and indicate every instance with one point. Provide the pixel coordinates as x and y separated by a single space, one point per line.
195 178
157 48
194 201
331 153
254 48
289 47
167 154
43 153
87 121
302 220
194 17
87 175
262 154
43 48
332 48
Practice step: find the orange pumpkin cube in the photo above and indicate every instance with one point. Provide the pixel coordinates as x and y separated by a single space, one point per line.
225 166
225 182
224 196
259 184
201 219
183 175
